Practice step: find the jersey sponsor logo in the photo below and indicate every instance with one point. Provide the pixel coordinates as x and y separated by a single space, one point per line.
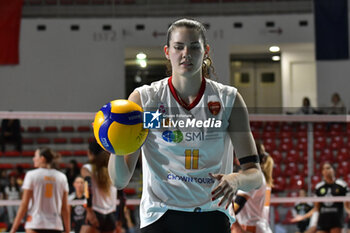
152 120
188 179
172 136
214 107
177 136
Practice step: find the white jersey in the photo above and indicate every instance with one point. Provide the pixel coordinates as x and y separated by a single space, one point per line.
192 142
102 203
48 186
255 212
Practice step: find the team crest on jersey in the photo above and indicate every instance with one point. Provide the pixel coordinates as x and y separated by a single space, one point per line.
214 107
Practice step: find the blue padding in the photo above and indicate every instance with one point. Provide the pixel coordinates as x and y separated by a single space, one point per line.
130 118
106 110
103 134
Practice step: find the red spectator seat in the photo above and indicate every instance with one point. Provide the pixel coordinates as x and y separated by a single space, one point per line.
256 135
63 165
302 147
286 144
84 128
291 169
12 153
276 170
6 166
345 165
65 153
279 184
325 156
67 129
270 144
77 140
302 127
277 156
338 127
286 127
34 129
27 141
320 127
43 140
320 143
296 182
301 134
25 165
28 153
256 124
269 128
269 135
277 215
319 133
286 134
60 140
80 153
50 129
292 156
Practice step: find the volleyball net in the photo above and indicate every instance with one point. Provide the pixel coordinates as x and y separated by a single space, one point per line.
299 145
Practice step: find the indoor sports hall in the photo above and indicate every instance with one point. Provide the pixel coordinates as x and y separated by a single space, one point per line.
62 60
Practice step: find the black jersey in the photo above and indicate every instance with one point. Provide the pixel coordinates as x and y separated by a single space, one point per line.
331 213
301 209
78 213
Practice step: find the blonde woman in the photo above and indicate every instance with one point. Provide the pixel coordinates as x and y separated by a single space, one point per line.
101 196
252 208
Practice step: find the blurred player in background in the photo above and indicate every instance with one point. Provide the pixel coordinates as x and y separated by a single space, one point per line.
252 208
45 197
331 214
77 212
101 195
188 183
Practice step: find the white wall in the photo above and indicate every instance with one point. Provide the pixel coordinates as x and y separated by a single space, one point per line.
64 70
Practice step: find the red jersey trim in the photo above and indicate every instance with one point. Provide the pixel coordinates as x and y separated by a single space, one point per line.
180 101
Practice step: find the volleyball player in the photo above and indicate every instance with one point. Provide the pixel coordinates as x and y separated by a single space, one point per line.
252 208
77 212
188 182
331 214
101 195
47 191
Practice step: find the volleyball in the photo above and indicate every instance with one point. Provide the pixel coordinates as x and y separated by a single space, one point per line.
118 127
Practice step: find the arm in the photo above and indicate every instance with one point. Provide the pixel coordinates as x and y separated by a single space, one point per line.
239 203
299 218
121 168
27 195
251 176
347 207
65 212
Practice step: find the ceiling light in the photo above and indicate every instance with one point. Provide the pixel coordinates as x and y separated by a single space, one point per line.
276 58
274 49
141 56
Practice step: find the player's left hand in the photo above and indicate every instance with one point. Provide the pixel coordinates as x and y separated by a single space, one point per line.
226 188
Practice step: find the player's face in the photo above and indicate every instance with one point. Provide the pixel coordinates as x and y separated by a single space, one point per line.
327 170
36 158
79 184
186 51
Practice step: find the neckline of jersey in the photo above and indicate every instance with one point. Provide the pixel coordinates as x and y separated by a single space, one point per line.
180 100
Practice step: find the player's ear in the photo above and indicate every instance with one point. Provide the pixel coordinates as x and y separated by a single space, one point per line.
166 52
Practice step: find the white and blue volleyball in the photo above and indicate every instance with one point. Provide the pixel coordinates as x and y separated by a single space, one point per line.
118 127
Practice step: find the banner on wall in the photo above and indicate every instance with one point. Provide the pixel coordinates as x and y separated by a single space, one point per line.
10 21
331 27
